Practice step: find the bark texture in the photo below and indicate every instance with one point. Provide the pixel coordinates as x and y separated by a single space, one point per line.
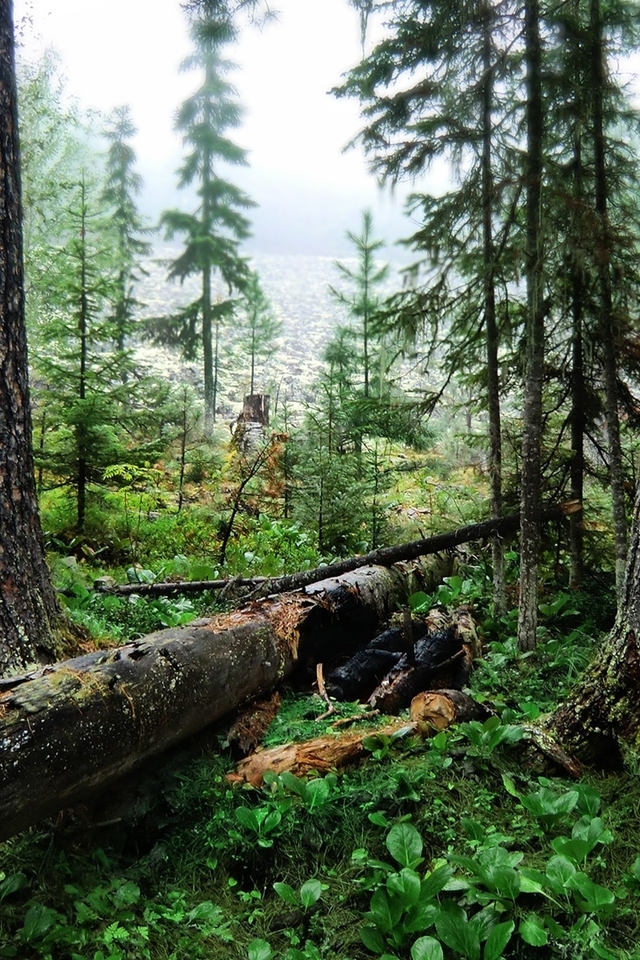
28 608
600 722
534 332
69 730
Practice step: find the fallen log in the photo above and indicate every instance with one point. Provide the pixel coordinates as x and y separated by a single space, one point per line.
323 754
72 728
383 556
435 651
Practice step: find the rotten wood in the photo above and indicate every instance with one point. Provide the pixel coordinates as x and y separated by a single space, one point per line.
69 730
331 752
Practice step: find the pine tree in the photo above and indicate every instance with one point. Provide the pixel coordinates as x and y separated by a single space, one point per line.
213 233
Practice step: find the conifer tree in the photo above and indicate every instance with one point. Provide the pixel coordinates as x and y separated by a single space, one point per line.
257 328
122 185
435 88
362 301
214 231
80 376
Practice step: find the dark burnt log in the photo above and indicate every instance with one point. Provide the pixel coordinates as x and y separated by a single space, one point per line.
355 679
413 674
69 730
444 646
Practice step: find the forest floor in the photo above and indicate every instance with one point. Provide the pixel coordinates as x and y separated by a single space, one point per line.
462 845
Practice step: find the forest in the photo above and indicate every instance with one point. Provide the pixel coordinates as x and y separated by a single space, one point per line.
332 657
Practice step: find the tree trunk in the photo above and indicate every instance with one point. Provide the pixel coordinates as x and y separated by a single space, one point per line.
69 730
29 611
489 297
600 722
608 324
534 334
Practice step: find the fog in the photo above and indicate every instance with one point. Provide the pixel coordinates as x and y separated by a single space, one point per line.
309 191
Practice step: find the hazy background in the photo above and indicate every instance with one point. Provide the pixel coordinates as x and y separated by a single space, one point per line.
308 189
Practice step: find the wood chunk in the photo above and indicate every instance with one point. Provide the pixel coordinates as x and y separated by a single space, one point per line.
441 708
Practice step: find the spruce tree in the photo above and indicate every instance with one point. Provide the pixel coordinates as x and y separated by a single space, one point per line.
80 372
256 329
362 300
435 88
214 231
122 186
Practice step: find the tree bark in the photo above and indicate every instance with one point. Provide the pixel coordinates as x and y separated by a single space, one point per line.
600 722
608 323
534 334
489 298
29 611
69 730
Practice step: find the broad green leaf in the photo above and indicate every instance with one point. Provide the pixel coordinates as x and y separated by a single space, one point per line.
574 849
372 939
406 886
532 931
385 911
287 893
294 784
595 895
317 794
259 950
601 951
404 843
435 882
589 800
426 948
505 882
498 939
37 921
532 881
272 820
559 871
509 785
420 917
15 882
456 932
473 829
248 818
310 893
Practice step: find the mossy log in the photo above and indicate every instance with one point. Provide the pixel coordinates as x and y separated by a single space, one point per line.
71 729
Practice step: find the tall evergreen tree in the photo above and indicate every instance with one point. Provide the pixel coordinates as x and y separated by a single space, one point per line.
122 185
362 301
437 87
531 489
82 373
214 232
256 329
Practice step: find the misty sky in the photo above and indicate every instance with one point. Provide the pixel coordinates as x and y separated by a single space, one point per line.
308 190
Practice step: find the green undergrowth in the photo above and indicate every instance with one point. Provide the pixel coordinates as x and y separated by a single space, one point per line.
431 849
